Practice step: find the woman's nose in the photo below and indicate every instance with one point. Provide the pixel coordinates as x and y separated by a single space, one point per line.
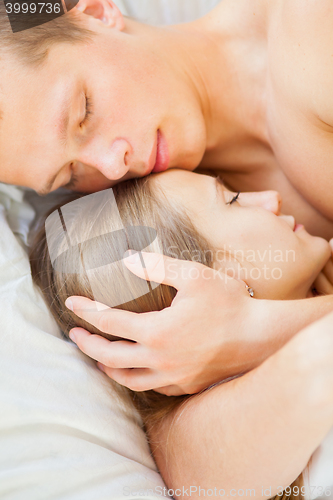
112 161
270 200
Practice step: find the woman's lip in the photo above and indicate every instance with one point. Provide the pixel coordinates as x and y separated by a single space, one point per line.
297 227
162 155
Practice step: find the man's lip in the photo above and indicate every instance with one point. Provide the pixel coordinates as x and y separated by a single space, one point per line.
162 155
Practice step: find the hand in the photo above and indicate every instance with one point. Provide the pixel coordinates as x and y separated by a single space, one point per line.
202 338
324 282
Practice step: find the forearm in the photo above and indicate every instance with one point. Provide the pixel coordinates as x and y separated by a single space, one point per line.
256 431
278 322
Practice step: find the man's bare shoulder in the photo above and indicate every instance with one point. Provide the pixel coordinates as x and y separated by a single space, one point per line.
306 11
305 30
300 100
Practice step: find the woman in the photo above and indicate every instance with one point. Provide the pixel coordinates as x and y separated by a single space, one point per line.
273 257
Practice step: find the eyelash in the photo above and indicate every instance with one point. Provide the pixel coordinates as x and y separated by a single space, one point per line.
235 198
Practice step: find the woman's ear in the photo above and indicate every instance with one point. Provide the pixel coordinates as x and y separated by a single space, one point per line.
104 10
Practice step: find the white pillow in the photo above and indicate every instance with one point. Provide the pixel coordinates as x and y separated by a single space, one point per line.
64 431
166 11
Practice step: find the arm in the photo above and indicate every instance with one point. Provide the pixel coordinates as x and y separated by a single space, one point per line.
242 331
256 431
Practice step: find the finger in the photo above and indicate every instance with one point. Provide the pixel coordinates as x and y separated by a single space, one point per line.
117 354
115 374
108 320
136 379
331 243
322 285
180 274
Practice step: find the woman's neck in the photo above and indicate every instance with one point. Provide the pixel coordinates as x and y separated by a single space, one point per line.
321 286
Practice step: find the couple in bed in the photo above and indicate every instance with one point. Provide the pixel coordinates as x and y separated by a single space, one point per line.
246 91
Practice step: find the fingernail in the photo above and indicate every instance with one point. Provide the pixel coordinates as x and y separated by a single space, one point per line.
132 257
80 7
100 367
69 304
72 337
331 243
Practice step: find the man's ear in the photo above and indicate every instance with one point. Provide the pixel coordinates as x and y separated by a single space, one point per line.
104 10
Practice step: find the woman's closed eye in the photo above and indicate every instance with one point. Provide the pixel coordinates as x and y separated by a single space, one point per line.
235 198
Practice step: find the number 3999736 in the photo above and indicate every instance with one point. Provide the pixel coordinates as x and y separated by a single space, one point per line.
33 8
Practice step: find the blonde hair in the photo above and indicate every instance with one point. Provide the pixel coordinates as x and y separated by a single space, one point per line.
139 205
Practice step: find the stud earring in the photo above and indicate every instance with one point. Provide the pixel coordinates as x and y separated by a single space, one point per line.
250 290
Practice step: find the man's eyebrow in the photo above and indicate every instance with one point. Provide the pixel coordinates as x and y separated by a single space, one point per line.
62 129
64 117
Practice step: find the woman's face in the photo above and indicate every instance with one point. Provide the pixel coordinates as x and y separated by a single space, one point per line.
255 243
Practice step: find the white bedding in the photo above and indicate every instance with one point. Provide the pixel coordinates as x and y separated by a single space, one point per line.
166 11
64 433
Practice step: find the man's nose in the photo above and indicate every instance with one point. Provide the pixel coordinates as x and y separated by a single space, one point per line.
270 200
112 161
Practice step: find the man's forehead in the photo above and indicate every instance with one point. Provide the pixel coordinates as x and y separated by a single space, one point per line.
28 132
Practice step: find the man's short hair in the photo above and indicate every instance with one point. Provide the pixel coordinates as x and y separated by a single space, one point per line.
32 46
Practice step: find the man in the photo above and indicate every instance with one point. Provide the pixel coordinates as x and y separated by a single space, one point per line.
241 90
259 107
237 91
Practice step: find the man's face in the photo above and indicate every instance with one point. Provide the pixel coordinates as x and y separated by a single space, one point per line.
93 113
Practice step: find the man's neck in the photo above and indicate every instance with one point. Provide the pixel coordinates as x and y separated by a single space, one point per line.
223 69
231 79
